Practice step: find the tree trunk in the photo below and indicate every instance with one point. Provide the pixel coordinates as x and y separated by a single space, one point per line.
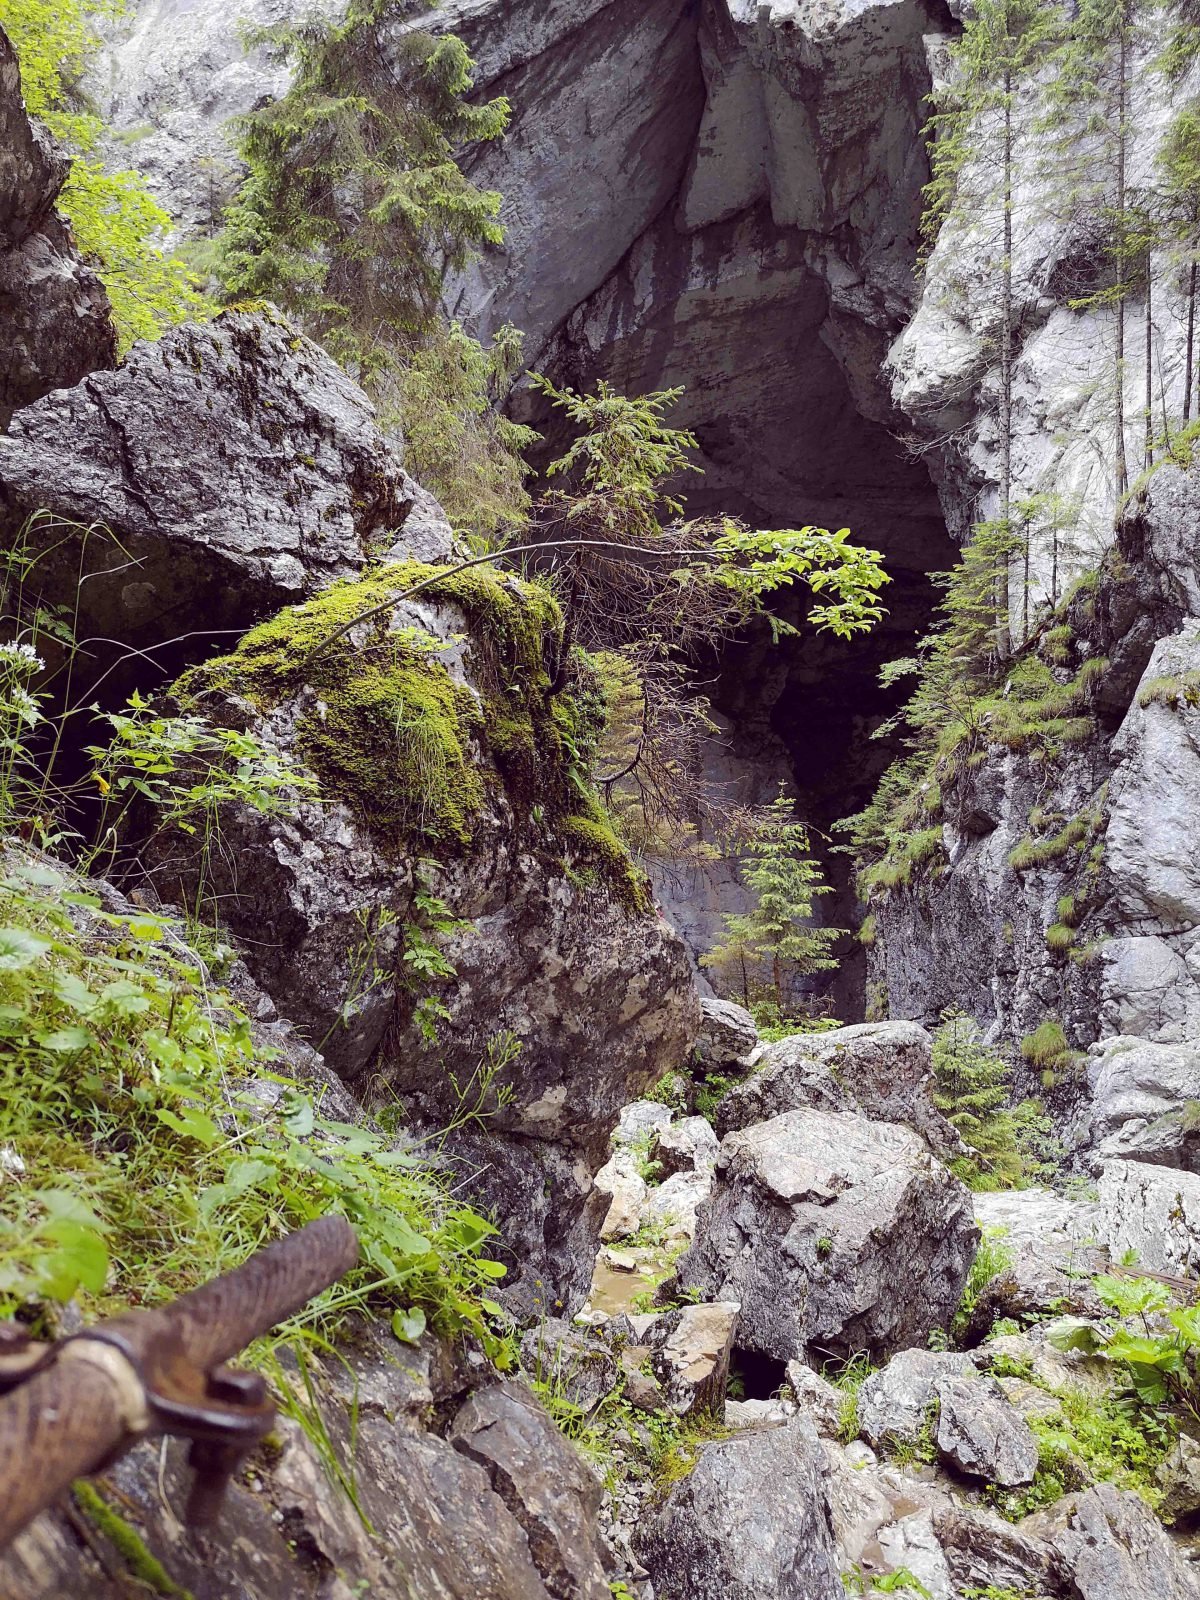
1191 344
1148 459
1122 462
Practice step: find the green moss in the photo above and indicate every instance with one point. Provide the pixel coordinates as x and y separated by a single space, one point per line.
591 835
128 1544
906 856
868 933
1031 852
1059 937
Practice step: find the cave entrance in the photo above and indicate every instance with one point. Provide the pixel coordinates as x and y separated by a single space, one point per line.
785 396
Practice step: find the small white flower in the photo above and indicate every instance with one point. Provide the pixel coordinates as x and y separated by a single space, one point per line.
11 1162
21 655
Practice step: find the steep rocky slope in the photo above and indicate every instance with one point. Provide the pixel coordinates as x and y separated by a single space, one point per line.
723 195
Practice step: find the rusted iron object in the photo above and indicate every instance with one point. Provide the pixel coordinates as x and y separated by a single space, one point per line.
75 1407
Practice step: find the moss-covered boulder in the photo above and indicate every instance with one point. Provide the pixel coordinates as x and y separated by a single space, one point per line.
453 921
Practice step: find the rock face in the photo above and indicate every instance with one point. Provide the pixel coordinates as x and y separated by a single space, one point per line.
553 1495
1153 1211
1141 1095
883 1070
833 1233
233 468
55 324
719 1537
502 1509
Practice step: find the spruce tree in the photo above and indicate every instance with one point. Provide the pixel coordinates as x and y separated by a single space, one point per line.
971 1089
1179 174
355 207
776 939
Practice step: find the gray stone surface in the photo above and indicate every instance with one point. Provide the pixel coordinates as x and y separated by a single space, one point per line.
235 467
895 1401
728 1036
818 1399
574 1361
883 1069
1154 1212
834 1234
1141 1095
982 1434
1117 1549
55 324
719 1536
689 1145
597 994
547 1487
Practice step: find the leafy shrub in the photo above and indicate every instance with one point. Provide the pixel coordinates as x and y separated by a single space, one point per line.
118 225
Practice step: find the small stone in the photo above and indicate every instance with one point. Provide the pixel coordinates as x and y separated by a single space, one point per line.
620 1260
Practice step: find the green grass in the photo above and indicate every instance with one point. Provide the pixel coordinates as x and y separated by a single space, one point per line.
158 1146
992 1258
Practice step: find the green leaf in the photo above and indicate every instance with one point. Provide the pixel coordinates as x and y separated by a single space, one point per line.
19 948
408 1326
192 1124
66 1039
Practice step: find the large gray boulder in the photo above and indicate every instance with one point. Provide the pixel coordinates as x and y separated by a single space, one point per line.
749 1522
1143 1095
55 322
834 1234
569 994
1116 1549
895 1402
1154 1212
728 1036
883 1069
221 472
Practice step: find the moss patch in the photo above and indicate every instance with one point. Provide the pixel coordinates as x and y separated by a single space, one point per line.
388 731
127 1542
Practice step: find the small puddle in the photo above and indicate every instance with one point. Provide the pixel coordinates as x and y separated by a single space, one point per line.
614 1292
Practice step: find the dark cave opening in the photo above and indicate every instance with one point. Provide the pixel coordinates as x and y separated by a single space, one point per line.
794 427
754 1376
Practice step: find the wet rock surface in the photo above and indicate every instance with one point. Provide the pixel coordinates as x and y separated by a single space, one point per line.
719 1537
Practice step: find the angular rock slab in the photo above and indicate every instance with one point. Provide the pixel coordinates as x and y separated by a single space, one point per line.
546 1486
55 319
749 1522
882 1069
834 1234
235 466
1154 1211
983 1434
894 1403
1117 1549
691 1358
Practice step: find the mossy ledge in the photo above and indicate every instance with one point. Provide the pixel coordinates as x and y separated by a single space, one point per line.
387 729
